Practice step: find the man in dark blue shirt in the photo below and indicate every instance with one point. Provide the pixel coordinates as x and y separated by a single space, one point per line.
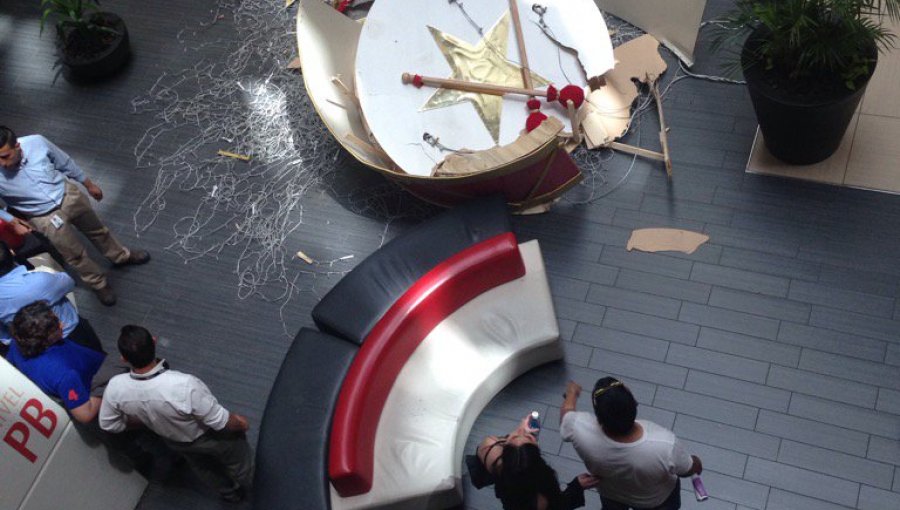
61 368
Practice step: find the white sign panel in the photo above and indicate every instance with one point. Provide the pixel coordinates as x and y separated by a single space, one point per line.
30 425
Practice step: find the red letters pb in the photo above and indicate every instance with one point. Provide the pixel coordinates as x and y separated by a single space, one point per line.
40 419
19 443
44 421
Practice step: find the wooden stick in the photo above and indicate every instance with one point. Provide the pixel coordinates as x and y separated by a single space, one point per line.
576 133
547 165
232 155
338 82
637 151
663 136
371 150
472 86
520 40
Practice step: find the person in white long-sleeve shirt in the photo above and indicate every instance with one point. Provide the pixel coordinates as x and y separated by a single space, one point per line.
181 409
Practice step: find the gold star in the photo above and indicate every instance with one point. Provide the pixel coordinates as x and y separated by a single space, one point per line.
485 62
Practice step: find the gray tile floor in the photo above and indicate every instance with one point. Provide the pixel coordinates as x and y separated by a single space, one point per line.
773 351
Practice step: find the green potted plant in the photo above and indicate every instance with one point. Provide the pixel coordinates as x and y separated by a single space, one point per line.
92 44
807 64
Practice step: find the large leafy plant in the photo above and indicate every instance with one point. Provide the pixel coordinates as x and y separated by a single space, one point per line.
805 40
71 15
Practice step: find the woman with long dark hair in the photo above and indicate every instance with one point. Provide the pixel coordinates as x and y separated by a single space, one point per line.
521 477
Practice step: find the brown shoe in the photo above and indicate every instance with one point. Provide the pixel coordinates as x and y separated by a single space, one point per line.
106 295
136 258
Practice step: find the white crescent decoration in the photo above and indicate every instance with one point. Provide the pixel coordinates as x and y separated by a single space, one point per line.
402 36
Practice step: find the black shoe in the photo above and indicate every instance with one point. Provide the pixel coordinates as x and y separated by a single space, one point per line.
165 468
143 463
235 496
136 258
106 295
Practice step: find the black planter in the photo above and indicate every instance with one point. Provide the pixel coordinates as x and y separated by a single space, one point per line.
81 67
798 128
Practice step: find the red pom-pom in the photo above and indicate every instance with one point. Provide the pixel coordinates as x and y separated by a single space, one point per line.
534 120
342 7
572 93
533 104
417 81
552 94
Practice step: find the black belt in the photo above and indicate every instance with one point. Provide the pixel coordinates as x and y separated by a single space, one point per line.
26 216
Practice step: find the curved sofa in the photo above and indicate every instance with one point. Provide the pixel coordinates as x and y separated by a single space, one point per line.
373 410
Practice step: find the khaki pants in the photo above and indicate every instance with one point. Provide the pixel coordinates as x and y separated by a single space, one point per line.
77 213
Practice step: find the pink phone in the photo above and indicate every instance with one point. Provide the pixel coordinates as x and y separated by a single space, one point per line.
699 490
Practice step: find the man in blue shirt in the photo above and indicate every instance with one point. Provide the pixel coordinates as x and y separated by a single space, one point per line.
19 287
36 183
59 367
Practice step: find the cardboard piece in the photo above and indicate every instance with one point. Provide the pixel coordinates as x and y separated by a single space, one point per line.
665 239
606 115
536 179
874 154
465 163
882 94
674 22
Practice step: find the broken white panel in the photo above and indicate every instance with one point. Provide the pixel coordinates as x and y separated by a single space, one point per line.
674 22
569 22
606 114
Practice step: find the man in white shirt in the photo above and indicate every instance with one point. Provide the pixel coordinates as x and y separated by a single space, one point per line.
638 462
179 408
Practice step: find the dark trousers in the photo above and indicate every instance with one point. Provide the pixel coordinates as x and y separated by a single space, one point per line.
221 459
140 448
84 334
36 243
673 502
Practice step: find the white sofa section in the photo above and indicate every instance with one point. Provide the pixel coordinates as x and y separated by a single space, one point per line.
452 375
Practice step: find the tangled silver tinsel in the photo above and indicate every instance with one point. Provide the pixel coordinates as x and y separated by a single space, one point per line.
250 104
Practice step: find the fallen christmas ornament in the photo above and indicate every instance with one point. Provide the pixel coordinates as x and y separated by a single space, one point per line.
439 96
